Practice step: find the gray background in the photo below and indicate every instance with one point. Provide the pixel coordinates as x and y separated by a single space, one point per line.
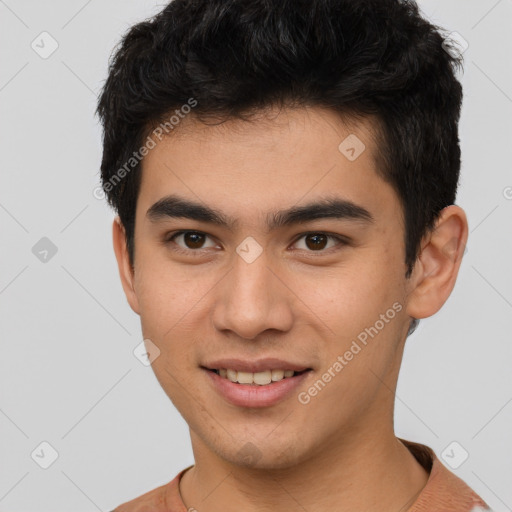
67 372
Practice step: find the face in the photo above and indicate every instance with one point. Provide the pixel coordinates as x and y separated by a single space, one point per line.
280 272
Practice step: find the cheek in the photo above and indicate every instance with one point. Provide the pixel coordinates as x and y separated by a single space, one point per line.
357 310
165 294
172 308
347 296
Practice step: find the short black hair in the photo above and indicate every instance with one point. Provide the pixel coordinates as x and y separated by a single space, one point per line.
234 58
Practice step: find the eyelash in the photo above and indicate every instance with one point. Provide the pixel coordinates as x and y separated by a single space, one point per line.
198 252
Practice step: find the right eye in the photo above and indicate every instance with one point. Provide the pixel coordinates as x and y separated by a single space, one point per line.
188 242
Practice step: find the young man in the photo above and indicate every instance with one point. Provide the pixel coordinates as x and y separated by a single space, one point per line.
284 174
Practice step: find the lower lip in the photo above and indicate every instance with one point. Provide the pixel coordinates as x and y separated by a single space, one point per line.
247 395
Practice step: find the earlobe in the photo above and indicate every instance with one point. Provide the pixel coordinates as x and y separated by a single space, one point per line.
126 272
438 263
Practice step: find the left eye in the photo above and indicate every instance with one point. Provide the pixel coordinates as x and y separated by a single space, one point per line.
316 242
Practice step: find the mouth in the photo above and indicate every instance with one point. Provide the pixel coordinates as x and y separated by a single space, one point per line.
264 388
262 378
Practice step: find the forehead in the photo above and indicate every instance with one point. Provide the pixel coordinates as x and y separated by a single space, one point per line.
277 158
271 126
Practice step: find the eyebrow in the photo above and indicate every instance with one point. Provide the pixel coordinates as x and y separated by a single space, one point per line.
173 206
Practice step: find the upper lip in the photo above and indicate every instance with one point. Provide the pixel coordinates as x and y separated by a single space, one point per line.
255 366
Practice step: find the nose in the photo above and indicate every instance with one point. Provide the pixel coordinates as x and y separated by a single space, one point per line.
252 299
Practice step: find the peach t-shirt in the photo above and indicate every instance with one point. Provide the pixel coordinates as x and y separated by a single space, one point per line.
444 491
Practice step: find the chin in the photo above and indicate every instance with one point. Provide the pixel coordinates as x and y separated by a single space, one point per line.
264 455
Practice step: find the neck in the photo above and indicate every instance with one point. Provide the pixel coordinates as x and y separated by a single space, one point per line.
363 471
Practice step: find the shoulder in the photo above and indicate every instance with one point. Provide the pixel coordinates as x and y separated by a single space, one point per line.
444 490
161 499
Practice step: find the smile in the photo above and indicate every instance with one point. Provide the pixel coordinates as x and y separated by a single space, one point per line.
256 379
255 390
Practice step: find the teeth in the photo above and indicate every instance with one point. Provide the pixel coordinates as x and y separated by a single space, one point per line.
262 378
259 378
244 377
277 374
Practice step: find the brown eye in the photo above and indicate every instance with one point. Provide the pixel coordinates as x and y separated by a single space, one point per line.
193 240
315 242
318 242
190 240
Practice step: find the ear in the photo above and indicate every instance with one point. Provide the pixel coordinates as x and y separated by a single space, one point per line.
438 263
126 272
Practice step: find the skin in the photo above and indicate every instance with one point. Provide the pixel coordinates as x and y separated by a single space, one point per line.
294 302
